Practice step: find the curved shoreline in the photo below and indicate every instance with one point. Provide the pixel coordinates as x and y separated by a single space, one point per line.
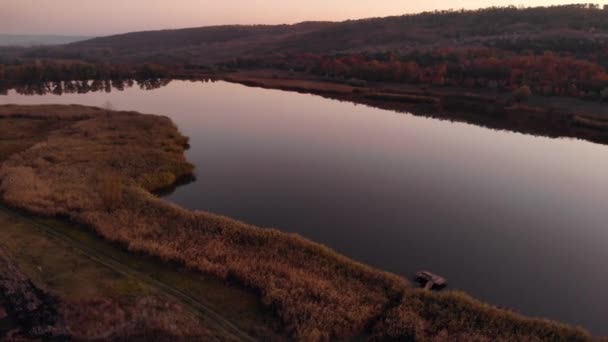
99 168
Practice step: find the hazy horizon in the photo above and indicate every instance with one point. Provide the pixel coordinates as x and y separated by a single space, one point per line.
42 17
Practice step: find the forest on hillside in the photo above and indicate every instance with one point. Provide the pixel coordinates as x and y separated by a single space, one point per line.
553 51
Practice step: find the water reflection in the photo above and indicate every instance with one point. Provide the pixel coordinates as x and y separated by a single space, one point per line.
83 87
554 125
88 86
515 220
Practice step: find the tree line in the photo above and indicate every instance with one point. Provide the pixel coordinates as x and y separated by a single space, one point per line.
548 74
40 71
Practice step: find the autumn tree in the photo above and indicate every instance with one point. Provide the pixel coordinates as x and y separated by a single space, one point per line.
522 93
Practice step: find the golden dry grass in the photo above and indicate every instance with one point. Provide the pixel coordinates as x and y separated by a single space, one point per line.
455 316
148 319
98 300
99 170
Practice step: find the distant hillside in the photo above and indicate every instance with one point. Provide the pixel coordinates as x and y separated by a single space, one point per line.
579 29
204 44
37 40
449 27
197 36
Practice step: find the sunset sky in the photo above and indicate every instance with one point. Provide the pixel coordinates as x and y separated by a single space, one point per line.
87 17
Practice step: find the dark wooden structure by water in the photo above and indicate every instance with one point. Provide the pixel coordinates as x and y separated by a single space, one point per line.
431 281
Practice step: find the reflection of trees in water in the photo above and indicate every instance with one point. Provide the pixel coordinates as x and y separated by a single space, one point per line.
83 87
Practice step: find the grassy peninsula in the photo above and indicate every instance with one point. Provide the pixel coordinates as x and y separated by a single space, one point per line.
98 168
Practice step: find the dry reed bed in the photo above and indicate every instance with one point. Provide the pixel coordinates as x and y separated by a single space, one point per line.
99 170
149 318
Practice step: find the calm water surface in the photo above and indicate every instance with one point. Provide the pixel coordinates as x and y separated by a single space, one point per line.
515 220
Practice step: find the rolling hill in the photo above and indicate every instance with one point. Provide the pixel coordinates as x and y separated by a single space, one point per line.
37 40
571 28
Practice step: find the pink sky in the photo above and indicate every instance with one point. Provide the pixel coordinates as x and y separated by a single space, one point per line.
101 17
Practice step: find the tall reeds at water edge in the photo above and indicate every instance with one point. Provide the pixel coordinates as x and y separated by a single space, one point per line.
99 167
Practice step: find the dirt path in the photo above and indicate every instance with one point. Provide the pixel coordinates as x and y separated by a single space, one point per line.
117 264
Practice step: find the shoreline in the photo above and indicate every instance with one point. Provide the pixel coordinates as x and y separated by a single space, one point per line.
335 296
542 116
576 119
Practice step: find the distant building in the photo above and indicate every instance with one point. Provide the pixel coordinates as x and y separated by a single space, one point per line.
605 7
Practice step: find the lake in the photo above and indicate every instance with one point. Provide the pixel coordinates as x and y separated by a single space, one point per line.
515 220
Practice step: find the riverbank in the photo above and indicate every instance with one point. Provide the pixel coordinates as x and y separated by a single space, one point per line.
544 116
551 116
98 167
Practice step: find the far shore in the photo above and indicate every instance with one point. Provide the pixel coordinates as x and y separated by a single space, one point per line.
555 116
544 116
